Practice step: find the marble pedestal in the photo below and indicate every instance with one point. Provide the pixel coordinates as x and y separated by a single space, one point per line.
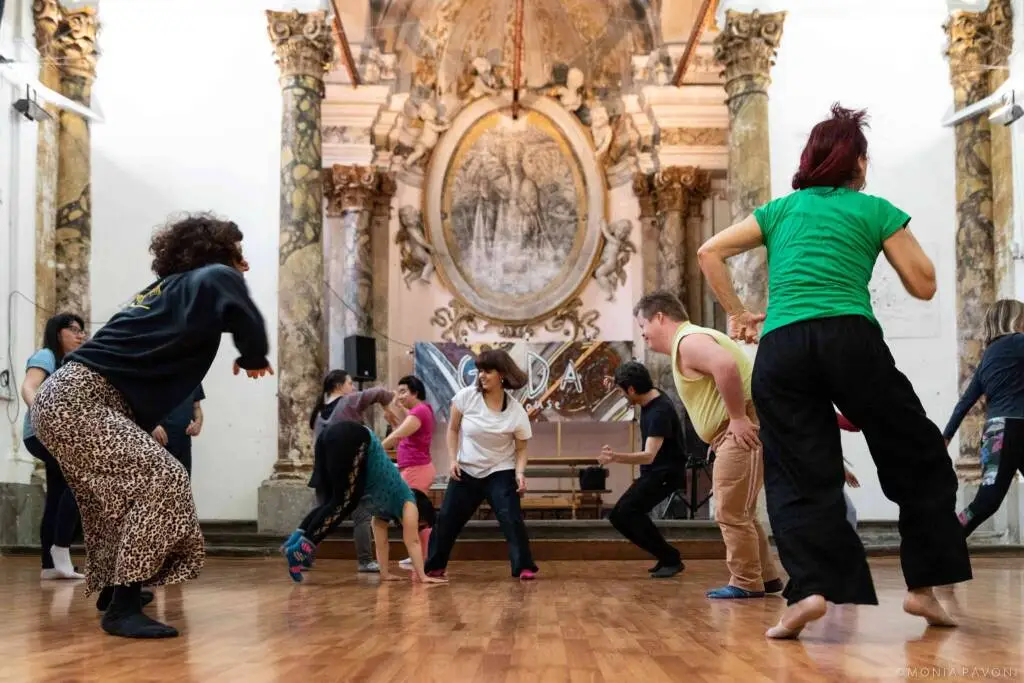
282 504
21 511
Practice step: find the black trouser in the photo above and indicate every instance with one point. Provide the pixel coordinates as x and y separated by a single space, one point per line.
1002 455
461 500
631 517
341 481
180 447
60 511
800 371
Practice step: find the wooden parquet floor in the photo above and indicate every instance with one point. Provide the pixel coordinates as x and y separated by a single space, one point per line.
243 620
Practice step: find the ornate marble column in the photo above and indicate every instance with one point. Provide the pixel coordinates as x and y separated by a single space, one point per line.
351 193
999 17
643 188
380 249
969 51
670 195
746 49
698 187
73 241
46 15
304 50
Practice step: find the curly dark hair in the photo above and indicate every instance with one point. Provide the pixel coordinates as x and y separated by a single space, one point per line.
194 241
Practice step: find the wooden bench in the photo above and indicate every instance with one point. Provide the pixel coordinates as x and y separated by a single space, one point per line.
557 502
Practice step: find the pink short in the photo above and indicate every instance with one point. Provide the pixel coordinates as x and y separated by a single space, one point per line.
419 477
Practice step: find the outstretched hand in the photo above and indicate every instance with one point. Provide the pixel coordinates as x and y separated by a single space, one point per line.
255 374
743 326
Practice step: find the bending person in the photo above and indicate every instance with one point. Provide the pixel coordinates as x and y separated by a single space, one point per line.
712 376
96 413
355 471
1000 379
487 436
662 472
340 402
821 345
63 333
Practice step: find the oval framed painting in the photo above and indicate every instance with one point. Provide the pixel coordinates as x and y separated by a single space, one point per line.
513 207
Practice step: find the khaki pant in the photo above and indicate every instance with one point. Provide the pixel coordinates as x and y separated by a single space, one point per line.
737 479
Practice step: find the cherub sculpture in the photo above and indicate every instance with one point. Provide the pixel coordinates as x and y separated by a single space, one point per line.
611 271
484 82
433 126
417 261
601 129
569 94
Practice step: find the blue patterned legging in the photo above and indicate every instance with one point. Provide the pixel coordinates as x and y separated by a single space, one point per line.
1002 456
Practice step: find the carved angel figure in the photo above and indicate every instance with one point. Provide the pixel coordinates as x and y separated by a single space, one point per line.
484 81
417 261
601 129
433 126
569 94
611 271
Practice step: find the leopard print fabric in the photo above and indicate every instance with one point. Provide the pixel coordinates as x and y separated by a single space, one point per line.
136 502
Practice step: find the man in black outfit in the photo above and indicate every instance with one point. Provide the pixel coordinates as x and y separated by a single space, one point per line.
662 468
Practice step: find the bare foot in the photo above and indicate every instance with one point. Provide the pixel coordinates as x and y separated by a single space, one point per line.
797 616
921 602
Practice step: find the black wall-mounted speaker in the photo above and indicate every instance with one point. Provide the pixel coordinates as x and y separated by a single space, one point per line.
361 358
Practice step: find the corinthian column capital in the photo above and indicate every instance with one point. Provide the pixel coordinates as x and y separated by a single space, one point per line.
643 188
1000 21
969 50
351 188
746 49
46 15
679 187
303 44
77 44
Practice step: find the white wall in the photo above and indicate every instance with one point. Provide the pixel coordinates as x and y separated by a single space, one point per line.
17 239
842 51
189 90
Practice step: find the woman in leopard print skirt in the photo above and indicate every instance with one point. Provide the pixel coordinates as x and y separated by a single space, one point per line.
96 413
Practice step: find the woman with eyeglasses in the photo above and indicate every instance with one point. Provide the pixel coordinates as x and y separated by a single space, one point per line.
63 333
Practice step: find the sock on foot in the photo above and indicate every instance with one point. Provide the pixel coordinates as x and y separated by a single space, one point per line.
63 567
654 568
297 554
124 617
292 540
107 595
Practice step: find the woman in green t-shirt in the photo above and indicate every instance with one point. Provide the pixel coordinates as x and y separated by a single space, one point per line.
821 345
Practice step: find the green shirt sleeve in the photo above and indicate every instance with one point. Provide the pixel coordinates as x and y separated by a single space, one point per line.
890 219
767 215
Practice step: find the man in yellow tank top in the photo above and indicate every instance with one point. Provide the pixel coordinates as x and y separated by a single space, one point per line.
712 376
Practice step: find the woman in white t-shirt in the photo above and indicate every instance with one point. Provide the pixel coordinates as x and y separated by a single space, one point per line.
487 435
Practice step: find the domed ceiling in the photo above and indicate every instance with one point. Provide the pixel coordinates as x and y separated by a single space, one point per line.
437 39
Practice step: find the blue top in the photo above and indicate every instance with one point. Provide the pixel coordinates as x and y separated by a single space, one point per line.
1000 378
386 492
45 360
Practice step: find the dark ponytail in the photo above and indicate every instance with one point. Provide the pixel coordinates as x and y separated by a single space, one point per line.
333 380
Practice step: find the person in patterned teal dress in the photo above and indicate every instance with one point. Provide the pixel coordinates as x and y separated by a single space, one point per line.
354 469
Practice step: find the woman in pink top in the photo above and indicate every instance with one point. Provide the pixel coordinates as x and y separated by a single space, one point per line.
414 434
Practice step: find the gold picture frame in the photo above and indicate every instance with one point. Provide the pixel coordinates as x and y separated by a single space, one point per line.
513 208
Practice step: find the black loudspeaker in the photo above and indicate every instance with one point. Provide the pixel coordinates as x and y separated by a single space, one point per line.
361 358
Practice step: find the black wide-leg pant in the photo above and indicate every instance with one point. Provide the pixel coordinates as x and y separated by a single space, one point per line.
801 370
